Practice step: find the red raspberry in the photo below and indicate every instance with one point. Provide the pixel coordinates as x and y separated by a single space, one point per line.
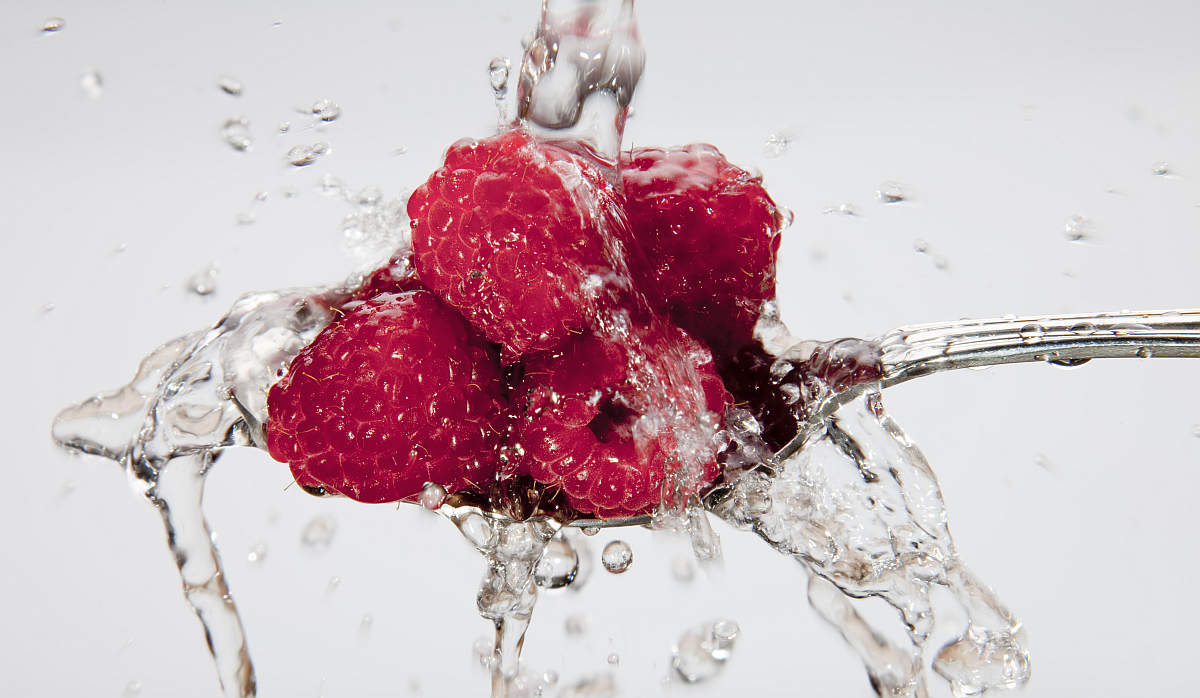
396 393
708 233
586 416
397 276
509 230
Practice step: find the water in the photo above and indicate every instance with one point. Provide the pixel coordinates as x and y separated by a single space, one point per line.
92 83
891 193
53 25
318 532
701 652
305 155
617 556
236 133
230 85
325 110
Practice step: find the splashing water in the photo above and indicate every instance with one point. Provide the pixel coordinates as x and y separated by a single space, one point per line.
856 505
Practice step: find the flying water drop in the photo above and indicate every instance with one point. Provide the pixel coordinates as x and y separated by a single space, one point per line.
558 567
304 155
701 652
236 132
617 556
230 85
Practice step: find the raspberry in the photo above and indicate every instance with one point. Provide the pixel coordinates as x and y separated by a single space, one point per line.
508 231
397 276
708 233
586 416
396 393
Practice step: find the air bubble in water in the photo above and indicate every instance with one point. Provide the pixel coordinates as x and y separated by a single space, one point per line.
432 496
777 145
891 193
617 556
236 132
318 532
325 110
203 282
92 83
498 69
257 554
558 566
701 652
1078 228
53 25
230 85
304 155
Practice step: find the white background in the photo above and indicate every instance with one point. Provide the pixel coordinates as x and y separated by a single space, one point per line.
1071 492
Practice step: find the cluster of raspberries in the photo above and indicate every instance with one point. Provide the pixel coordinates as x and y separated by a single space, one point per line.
557 319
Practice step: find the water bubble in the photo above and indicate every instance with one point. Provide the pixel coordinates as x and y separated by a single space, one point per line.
432 496
318 532
558 565
230 85
325 110
203 282
132 689
617 556
498 69
1078 228
702 652
257 554
304 155
777 145
92 83
575 625
1160 169
891 193
53 25
236 132
613 659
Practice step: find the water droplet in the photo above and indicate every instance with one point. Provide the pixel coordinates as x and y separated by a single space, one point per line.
617 556
432 496
575 625
484 652
1042 461
613 659
1068 363
399 150
1160 169
48 308
702 652
777 145
1144 353
941 262
1078 228
236 132
1032 333
790 393
132 689
334 582
590 530
203 282
230 85
53 25
257 554
318 532
92 83
891 193
920 246
284 126
325 110
550 677
1196 430
558 565
245 218
498 69
369 196
844 209
304 155
682 568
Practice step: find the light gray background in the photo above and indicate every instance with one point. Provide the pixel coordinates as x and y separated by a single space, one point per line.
1071 492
